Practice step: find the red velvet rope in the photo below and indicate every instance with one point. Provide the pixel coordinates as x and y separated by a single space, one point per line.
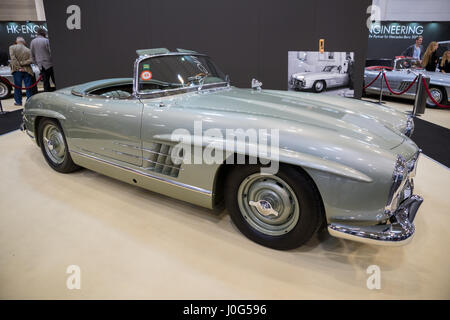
402 92
3 79
431 97
373 81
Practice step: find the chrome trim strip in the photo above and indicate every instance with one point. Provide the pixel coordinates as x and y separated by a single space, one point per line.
126 145
162 179
162 154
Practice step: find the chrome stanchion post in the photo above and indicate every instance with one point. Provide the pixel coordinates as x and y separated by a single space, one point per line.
381 88
416 100
420 102
1 108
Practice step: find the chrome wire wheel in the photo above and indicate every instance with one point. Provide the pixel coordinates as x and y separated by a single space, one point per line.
268 204
54 144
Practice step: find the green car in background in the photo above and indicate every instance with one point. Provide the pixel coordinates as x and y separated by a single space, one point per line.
283 163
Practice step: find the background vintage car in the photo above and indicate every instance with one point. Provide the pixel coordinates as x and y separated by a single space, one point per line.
329 77
400 73
5 88
344 163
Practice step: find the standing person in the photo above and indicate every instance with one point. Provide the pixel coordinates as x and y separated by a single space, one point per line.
40 49
21 69
430 58
444 66
416 50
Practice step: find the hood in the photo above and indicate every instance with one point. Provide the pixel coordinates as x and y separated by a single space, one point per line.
324 115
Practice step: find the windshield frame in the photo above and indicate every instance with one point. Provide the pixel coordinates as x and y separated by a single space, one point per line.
413 66
139 94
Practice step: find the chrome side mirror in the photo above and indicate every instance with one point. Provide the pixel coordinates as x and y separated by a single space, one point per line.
227 80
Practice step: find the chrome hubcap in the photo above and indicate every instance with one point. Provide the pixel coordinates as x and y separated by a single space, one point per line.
437 96
319 86
268 204
54 145
3 89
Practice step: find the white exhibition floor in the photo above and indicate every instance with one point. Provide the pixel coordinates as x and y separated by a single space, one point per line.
132 243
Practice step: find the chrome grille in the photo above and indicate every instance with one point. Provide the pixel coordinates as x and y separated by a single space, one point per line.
157 158
404 85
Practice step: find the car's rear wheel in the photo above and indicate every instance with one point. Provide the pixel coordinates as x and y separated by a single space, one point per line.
319 86
54 146
438 95
5 90
280 211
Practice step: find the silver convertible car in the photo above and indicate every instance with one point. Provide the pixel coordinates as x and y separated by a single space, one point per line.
400 75
329 77
334 162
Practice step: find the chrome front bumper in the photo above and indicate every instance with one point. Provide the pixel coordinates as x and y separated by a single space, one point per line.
399 232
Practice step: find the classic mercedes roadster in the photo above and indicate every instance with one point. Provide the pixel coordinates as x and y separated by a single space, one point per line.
400 72
329 77
338 163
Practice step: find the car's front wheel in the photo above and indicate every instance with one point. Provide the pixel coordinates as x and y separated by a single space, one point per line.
54 146
438 95
281 211
319 86
5 90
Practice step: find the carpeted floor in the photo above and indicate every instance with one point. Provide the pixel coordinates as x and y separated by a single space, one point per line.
434 140
10 121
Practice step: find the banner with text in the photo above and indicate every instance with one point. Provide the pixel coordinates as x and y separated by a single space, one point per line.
388 39
10 30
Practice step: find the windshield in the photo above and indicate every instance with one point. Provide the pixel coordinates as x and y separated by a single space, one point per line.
330 69
177 71
407 64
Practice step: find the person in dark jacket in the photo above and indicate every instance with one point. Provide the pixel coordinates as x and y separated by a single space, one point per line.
430 58
444 66
40 49
416 50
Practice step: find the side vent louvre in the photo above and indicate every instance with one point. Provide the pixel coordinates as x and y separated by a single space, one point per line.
157 159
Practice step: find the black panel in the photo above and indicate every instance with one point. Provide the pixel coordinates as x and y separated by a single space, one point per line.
247 39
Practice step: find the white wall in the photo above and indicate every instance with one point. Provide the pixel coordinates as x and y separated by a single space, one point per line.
414 10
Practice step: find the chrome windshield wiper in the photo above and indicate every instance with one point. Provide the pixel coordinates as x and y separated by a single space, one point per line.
199 77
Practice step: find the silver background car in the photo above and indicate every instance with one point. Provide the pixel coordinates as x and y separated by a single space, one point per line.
318 71
404 71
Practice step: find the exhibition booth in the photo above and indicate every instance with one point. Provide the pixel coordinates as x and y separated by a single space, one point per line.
224 150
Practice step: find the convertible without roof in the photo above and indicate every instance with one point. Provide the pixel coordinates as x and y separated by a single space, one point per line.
400 72
340 163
